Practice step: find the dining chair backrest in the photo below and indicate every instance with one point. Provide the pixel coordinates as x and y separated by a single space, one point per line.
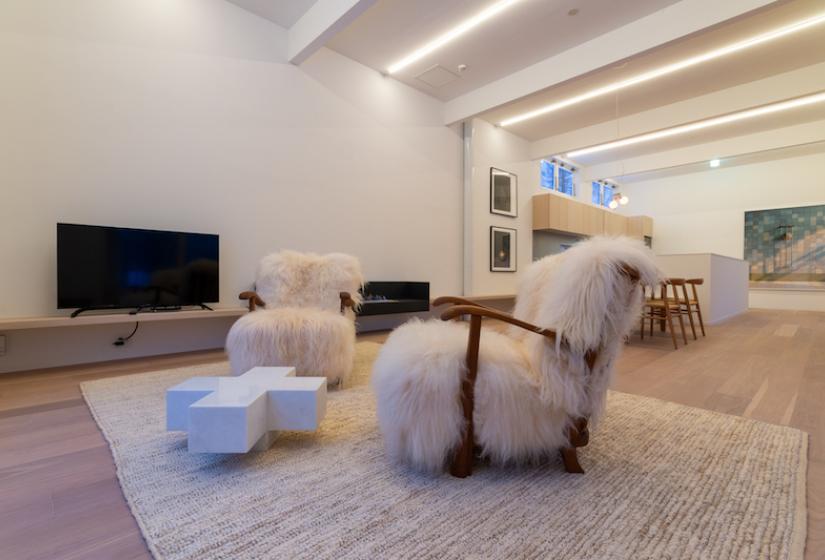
693 283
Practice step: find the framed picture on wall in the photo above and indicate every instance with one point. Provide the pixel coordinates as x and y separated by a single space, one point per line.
503 193
502 249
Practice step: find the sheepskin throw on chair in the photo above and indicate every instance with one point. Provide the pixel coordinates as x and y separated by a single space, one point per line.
308 321
532 382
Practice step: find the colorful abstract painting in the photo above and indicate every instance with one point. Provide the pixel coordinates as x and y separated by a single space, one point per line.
786 246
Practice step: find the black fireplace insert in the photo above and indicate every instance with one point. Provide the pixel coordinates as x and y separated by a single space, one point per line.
383 298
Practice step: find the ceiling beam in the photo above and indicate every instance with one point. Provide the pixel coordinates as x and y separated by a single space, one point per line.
320 24
670 23
764 141
779 87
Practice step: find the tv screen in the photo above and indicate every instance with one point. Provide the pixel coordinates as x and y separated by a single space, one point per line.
110 267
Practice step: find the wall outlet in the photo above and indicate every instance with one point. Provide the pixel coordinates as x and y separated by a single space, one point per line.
2 345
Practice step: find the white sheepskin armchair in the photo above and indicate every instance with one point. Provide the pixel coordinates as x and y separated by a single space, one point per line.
529 389
306 322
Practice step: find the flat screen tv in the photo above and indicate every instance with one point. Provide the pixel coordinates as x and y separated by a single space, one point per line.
109 267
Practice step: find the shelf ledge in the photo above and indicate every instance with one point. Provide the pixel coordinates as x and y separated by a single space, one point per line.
48 322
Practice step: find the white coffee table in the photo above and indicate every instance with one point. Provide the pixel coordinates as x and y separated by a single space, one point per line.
238 414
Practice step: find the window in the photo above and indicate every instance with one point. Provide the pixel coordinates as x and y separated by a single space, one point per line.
596 197
557 176
602 193
548 175
566 181
607 194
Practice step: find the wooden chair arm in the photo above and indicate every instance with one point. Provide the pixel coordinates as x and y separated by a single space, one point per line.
253 298
474 310
346 301
455 300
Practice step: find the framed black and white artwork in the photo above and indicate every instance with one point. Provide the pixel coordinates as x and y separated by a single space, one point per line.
502 249
503 193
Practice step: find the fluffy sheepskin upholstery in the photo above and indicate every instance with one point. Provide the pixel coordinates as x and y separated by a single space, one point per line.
316 341
292 279
301 325
528 389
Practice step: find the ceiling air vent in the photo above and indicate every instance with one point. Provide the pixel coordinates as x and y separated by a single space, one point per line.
436 76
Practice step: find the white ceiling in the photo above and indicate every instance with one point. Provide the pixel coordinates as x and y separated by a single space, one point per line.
283 12
770 59
531 31
528 31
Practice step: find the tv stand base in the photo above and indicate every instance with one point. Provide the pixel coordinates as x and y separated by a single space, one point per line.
140 309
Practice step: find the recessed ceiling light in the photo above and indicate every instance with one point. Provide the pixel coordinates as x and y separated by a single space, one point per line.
699 125
670 68
715 163
452 34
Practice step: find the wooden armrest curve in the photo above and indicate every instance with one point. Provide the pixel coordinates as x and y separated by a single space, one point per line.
254 299
455 300
346 301
458 310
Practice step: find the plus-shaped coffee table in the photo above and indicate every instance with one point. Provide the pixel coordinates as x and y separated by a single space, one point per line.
236 414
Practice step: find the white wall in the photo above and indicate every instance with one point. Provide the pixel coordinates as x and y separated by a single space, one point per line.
184 115
491 146
703 212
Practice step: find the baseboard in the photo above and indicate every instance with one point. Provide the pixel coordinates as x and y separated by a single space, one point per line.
725 318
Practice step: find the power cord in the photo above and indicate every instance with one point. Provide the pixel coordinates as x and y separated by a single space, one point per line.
121 340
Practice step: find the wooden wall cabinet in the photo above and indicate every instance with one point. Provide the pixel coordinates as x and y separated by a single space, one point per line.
567 215
564 214
615 224
640 226
594 219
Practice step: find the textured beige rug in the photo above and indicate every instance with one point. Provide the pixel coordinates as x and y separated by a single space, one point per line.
663 481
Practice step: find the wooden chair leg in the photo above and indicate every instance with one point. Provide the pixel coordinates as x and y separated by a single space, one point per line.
692 325
570 458
669 318
682 326
462 465
578 436
642 330
699 314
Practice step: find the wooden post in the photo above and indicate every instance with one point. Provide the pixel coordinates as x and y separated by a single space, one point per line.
462 466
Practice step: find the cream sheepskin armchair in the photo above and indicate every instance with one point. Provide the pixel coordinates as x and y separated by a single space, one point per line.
520 394
309 320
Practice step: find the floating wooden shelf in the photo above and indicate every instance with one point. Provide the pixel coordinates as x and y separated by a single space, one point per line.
47 322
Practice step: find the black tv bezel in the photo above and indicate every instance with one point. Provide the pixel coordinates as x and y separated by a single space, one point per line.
118 306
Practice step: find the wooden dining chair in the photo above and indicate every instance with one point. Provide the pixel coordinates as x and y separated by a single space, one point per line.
680 295
693 303
662 309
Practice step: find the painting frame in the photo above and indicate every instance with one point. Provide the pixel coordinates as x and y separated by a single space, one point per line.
503 256
501 202
785 247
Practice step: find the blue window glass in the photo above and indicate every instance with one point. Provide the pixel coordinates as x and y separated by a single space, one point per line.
565 181
607 196
548 178
596 197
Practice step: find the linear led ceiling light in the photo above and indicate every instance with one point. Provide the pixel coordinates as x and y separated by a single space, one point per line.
699 125
670 68
452 34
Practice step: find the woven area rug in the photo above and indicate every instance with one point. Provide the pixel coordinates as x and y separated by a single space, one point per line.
663 481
